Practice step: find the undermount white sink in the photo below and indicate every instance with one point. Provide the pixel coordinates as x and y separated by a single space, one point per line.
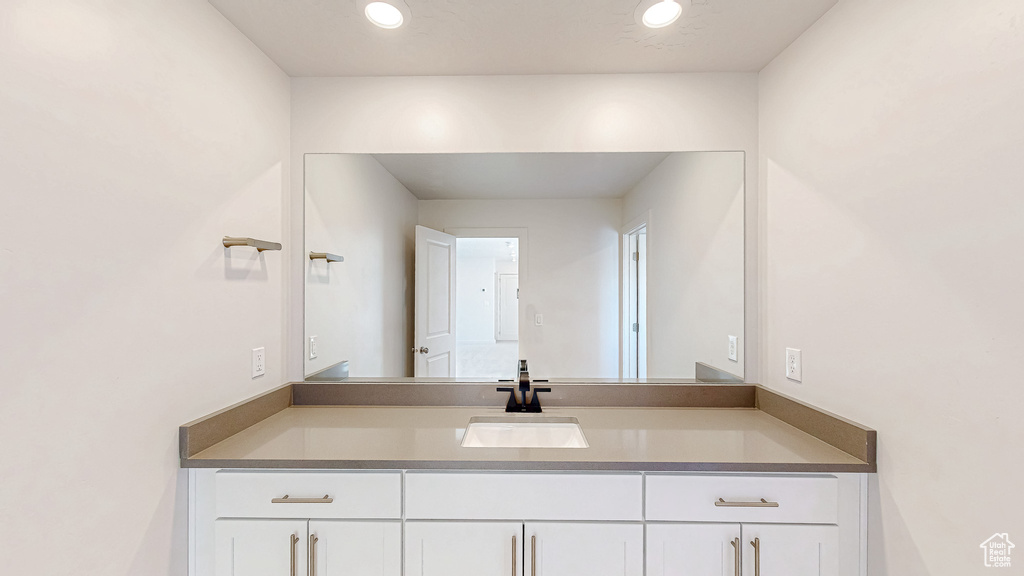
524 432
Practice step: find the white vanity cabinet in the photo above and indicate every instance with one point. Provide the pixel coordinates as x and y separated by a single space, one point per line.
463 548
245 547
454 523
296 523
594 549
756 525
524 524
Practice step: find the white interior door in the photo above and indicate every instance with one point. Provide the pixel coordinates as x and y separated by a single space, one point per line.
634 363
508 307
434 344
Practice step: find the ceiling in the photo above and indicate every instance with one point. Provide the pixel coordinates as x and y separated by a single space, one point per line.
520 176
485 37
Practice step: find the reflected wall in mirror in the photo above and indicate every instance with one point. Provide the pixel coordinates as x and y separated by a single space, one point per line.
589 265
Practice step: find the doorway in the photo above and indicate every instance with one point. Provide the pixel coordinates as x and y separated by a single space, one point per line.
486 307
634 300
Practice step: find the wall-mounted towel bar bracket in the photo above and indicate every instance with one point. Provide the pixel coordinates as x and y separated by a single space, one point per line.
326 256
259 245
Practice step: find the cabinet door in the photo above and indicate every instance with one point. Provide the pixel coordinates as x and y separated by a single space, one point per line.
338 547
260 547
463 548
564 549
790 550
693 549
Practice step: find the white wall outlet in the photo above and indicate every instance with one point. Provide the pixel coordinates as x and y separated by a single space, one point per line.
794 371
538 319
734 354
312 347
259 362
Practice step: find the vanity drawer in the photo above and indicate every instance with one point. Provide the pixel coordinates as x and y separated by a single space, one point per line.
526 496
800 499
351 494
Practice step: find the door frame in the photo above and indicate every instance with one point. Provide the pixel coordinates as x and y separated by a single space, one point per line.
625 326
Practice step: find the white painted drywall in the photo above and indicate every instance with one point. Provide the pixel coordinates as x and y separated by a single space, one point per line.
694 260
589 113
571 277
891 143
474 300
360 310
135 136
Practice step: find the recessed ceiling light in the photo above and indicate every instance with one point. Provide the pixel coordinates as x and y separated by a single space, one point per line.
660 13
384 15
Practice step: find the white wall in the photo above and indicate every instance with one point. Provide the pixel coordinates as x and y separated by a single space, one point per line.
694 260
569 273
475 300
135 136
891 142
360 310
586 113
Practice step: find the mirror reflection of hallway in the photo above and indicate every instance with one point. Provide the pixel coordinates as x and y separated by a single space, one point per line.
487 307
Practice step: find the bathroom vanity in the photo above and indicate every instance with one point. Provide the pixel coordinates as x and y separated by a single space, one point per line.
372 479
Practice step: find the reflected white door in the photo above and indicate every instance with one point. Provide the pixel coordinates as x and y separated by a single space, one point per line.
635 353
434 344
508 307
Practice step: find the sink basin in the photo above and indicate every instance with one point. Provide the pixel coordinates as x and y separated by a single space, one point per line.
524 432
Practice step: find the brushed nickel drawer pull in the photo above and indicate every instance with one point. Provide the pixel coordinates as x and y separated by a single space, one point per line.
312 554
736 555
533 555
289 500
515 549
756 543
294 541
762 504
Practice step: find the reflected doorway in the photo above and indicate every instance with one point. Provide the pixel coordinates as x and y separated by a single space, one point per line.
634 317
486 307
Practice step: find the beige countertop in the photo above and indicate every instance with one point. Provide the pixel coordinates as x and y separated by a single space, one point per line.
419 437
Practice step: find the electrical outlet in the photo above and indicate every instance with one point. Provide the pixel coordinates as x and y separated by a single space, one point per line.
734 349
312 347
794 371
259 362
538 319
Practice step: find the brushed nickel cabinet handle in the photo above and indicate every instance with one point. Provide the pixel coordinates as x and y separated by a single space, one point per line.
762 504
515 549
289 500
533 555
294 541
736 555
312 554
756 543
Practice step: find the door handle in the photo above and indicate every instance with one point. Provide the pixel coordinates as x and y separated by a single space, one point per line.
294 540
312 554
289 500
533 555
756 543
421 350
736 555
762 504
515 551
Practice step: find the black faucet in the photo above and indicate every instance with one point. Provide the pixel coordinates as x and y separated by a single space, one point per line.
513 404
